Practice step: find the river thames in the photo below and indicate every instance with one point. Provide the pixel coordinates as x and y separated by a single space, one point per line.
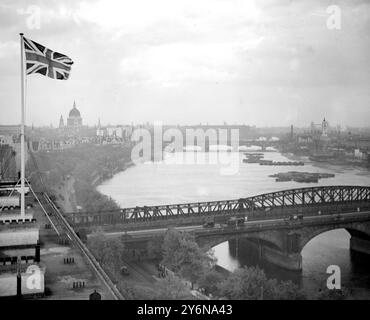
170 181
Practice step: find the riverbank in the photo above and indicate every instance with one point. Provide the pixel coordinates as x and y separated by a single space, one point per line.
331 163
71 176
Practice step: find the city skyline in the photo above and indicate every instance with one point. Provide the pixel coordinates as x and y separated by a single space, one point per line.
265 63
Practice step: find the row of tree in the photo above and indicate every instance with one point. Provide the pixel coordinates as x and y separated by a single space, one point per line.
180 253
112 254
85 164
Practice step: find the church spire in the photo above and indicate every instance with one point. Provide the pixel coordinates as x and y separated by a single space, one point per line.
74 104
61 122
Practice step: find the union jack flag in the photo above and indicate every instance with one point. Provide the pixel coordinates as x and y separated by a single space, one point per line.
40 59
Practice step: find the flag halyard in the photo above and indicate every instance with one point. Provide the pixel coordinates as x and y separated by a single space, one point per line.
44 61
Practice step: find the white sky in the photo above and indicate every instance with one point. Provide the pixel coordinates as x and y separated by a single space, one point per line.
265 62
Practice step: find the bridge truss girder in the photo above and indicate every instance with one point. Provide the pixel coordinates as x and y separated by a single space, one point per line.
300 197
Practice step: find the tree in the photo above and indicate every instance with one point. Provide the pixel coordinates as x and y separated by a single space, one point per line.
107 251
209 281
172 288
335 294
244 284
286 290
182 255
141 292
172 243
252 284
154 247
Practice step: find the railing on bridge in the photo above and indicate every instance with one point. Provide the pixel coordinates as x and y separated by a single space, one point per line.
302 197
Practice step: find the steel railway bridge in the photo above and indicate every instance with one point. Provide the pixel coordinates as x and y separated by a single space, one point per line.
269 205
269 227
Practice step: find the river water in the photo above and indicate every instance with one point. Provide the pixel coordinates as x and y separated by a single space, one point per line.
178 179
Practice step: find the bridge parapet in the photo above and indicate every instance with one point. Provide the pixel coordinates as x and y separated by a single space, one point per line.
274 204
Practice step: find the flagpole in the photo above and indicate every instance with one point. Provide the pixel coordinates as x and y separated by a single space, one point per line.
22 130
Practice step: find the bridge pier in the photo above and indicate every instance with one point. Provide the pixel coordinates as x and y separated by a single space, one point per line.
360 244
290 261
234 247
282 249
290 258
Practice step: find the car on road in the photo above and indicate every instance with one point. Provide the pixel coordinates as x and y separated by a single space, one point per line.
295 218
124 271
236 221
209 224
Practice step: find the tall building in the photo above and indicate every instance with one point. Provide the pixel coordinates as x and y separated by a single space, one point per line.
99 130
74 120
321 129
324 126
61 122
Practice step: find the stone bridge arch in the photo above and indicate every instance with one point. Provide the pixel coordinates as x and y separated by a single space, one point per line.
283 247
359 232
273 239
